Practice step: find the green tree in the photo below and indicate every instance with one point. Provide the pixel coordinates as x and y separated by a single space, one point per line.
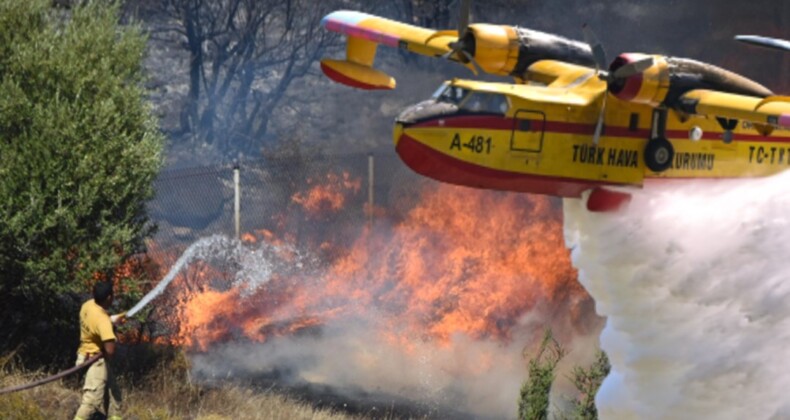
587 381
533 401
79 149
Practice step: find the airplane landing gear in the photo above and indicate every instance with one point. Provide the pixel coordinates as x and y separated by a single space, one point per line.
658 154
659 151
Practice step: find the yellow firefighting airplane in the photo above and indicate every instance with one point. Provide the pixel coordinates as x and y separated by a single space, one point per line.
565 126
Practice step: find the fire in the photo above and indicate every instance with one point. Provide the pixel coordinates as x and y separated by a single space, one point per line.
329 196
461 261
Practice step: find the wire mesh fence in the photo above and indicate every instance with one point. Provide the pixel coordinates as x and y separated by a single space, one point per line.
286 196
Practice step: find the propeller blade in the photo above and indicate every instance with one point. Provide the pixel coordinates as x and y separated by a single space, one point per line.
631 69
458 48
463 18
595 46
763 41
455 49
599 124
475 67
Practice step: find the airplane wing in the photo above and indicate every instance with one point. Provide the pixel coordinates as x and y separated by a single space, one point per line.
390 33
495 49
364 33
772 111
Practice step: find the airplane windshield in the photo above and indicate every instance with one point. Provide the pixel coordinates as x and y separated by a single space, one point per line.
486 102
450 94
472 101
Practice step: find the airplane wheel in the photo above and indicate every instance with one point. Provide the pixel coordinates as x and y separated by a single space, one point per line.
658 154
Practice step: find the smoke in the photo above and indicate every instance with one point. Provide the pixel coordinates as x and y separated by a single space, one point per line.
462 378
693 280
465 375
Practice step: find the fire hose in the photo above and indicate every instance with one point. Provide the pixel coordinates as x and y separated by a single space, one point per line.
49 379
91 360
86 363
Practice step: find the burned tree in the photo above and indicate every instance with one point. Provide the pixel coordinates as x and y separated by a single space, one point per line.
243 56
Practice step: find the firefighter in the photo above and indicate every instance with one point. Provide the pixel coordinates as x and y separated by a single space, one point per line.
101 390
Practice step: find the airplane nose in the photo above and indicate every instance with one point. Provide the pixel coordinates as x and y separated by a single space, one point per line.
421 112
397 131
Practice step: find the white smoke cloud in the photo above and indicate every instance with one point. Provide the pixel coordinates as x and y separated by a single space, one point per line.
694 279
462 378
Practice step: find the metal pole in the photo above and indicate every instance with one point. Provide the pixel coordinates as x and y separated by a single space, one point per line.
237 200
370 190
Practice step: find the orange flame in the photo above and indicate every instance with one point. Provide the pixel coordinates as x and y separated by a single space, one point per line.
328 197
462 261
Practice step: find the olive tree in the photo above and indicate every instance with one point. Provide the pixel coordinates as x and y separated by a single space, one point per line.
79 150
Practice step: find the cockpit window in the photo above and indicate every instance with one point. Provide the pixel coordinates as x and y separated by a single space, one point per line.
472 101
450 94
486 102
440 90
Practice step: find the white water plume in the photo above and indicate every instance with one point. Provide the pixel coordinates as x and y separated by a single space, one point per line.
694 280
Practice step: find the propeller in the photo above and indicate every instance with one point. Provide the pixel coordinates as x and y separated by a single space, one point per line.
621 73
599 54
463 17
464 47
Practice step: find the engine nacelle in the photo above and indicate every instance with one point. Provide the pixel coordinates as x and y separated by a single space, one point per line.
649 87
494 47
669 78
509 50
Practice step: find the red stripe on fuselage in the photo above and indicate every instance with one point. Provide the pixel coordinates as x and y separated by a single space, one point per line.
495 122
442 167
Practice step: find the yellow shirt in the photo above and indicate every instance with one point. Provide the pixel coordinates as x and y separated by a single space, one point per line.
95 327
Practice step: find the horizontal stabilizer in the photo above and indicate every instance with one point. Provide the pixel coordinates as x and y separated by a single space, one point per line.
356 75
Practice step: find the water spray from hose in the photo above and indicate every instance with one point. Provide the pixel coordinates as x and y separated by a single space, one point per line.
203 248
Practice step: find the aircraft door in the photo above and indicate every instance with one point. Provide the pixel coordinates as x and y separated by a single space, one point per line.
527 135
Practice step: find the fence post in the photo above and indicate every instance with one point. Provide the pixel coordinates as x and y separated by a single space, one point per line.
236 199
370 190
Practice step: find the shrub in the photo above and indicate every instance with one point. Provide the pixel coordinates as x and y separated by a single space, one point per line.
535 391
587 381
79 150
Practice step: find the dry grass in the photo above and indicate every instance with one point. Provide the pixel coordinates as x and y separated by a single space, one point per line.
57 401
162 394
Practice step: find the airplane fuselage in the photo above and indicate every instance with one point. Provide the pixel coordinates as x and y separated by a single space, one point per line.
542 140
